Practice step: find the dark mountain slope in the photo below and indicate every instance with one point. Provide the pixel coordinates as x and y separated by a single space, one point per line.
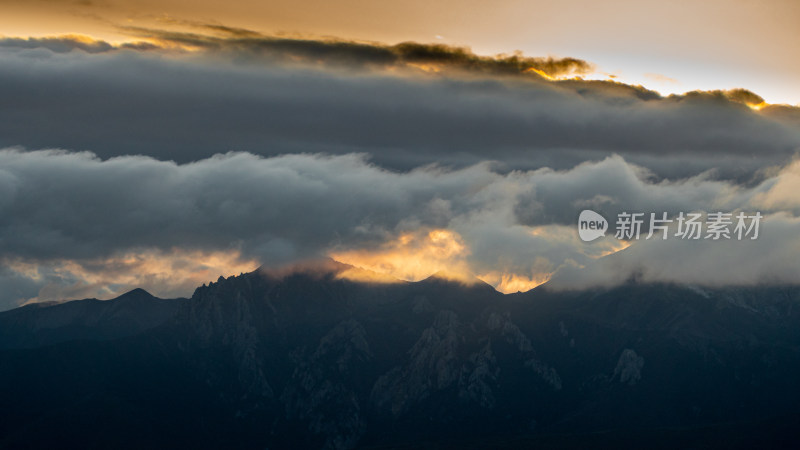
308 359
36 325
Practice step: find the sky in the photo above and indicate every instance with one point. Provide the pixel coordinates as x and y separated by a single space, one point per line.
161 145
672 47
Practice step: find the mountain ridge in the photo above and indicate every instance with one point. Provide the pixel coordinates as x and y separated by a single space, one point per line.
320 361
44 324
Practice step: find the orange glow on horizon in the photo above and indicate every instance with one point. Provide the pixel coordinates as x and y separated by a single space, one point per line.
360 275
412 256
419 255
164 274
509 283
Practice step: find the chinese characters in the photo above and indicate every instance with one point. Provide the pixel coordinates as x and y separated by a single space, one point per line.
716 226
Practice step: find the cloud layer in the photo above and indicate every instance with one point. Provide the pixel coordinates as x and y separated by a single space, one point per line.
196 154
72 219
406 105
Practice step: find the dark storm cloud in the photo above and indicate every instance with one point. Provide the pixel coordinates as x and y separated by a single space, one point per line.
65 215
60 44
57 204
740 95
65 44
350 53
186 107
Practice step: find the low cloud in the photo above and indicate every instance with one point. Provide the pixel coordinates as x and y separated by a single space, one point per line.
72 223
769 260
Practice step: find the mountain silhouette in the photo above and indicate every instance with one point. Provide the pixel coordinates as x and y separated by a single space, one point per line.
307 358
35 325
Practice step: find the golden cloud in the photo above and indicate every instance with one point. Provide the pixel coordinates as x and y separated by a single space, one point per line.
413 256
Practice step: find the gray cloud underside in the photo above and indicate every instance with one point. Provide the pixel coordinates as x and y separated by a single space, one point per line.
191 106
57 205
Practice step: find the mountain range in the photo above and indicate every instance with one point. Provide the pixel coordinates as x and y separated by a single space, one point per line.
308 358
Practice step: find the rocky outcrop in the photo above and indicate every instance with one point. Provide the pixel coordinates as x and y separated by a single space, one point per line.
629 367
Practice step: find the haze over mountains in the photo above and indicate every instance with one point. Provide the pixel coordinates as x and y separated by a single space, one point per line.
307 358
